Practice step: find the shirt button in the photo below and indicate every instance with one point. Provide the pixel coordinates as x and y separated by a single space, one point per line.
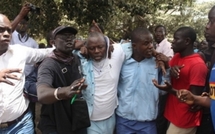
92 82
91 104
92 94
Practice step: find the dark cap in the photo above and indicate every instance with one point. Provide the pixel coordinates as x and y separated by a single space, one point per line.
60 28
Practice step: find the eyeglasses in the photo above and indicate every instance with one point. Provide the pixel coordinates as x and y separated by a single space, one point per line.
66 36
3 29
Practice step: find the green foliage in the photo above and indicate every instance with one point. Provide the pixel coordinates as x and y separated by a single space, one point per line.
118 17
194 16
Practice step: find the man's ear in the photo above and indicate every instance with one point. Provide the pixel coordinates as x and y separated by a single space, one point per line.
188 41
52 42
134 45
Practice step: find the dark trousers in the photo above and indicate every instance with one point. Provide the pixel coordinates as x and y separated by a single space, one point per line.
161 122
206 126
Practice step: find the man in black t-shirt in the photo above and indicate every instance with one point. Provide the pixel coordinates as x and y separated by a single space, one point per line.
59 79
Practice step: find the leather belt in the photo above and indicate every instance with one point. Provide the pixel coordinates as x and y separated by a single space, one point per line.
9 123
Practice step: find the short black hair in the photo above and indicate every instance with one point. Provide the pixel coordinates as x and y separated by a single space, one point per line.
42 45
188 32
136 34
158 26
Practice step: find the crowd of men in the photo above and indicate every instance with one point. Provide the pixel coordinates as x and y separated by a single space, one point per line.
130 87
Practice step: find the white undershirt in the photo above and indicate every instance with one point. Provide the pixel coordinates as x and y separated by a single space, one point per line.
106 75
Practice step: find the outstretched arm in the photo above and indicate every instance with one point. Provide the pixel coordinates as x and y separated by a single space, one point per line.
189 98
49 95
162 61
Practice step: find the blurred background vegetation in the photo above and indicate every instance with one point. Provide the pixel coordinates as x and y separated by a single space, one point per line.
118 17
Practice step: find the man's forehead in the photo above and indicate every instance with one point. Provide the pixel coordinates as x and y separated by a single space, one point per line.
96 40
160 29
1 18
147 36
4 22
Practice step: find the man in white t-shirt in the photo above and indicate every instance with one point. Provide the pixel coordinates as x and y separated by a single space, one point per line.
102 75
163 45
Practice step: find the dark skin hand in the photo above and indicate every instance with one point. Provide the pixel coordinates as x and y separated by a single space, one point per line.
74 88
7 73
161 61
23 12
168 87
196 90
94 24
46 93
187 97
175 71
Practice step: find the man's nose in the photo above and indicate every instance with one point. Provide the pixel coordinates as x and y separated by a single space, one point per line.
151 45
6 33
207 26
97 50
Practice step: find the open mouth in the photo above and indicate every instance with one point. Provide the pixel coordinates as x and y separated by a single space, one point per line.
149 52
69 45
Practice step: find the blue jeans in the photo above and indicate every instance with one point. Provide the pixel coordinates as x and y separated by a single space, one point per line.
125 126
25 126
102 127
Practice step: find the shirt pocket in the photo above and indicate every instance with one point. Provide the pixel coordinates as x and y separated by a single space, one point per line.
150 76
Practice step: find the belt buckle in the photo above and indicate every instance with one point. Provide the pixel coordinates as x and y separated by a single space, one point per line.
3 125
